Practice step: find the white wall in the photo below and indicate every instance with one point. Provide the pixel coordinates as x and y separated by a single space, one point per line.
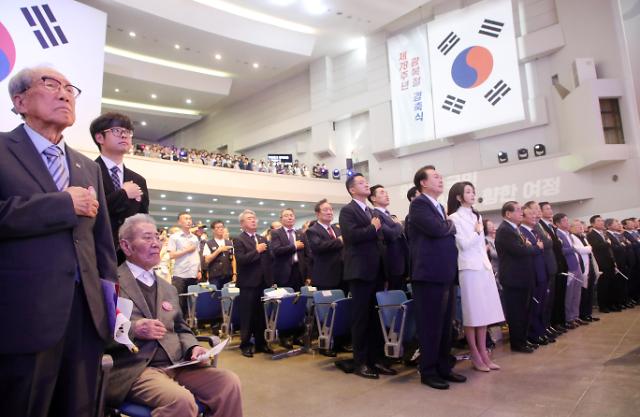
336 91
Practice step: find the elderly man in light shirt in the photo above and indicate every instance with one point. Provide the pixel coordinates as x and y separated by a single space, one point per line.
183 249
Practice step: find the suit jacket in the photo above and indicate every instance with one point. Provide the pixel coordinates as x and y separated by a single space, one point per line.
326 252
549 252
569 252
253 268
363 247
472 250
395 242
432 242
119 205
515 257
619 248
177 342
282 251
539 265
601 251
44 244
561 261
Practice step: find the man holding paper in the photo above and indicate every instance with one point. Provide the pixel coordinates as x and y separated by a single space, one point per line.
159 331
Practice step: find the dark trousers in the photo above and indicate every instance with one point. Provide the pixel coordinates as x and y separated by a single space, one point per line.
434 304
366 333
396 282
536 312
605 300
219 281
517 302
252 321
620 290
59 381
558 314
586 298
294 280
549 301
182 284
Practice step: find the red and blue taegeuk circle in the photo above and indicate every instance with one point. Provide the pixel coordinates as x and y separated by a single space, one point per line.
7 53
472 67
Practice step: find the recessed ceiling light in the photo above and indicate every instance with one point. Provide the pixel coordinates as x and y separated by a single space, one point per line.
264 222
208 220
176 46
261 203
315 6
189 197
273 214
117 90
226 221
132 34
163 208
238 201
164 62
153 96
256 65
257 16
302 205
214 199
218 57
164 219
188 101
163 195
166 227
143 123
282 204
232 212
188 210
210 211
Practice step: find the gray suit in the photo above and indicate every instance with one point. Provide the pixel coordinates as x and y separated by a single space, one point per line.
176 342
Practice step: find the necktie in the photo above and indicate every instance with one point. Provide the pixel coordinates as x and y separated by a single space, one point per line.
115 178
56 166
292 238
369 212
331 232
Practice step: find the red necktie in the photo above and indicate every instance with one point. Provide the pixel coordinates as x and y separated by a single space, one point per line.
331 233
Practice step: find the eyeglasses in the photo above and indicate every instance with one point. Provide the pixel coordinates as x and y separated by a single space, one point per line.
120 131
54 85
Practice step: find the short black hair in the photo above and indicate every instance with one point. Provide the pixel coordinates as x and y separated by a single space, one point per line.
316 208
411 194
509 206
420 175
593 218
373 192
182 213
557 218
213 225
544 203
351 179
109 120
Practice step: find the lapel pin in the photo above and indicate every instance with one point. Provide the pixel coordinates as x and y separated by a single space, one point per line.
166 306
78 165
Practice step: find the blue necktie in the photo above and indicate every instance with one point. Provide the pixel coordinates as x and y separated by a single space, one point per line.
56 166
115 178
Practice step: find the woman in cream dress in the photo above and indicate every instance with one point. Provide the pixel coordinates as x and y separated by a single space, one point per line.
480 300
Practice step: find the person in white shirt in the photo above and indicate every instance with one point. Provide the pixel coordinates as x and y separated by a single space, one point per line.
480 300
183 248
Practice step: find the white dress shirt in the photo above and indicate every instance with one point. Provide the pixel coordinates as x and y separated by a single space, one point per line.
110 164
148 278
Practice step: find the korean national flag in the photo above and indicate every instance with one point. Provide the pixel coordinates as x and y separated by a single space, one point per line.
474 69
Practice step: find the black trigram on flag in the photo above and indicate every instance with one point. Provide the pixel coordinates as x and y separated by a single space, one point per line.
498 91
453 104
448 43
41 23
491 28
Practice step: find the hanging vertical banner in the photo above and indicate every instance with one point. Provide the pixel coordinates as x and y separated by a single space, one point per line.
410 87
63 34
474 68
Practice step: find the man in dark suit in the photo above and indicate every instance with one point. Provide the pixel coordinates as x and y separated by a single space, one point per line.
254 275
363 268
601 245
517 274
288 253
394 239
559 286
126 191
630 225
434 260
621 255
56 244
163 339
551 264
325 244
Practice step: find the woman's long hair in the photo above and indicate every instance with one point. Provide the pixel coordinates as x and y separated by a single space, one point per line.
457 190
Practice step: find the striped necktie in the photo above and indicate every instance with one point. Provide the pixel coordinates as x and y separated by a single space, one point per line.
56 166
115 178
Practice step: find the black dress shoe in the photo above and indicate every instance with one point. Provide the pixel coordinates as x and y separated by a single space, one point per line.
247 353
570 325
538 341
581 322
366 372
384 369
533 346
434 382
586 318
265 349
454 377
549 339
328 352
522 349
605 310
594 318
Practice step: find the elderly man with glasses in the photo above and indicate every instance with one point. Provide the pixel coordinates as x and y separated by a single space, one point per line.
56 244
125 190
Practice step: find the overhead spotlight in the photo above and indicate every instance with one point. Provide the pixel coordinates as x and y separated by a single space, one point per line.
336 174
163 208
218 57
503 157
164 219
176 46
132 34
539 150
189 197
163 196
154 96
256 65
188 101
349 173
523 153
210 211
143 123
188 210
261 203
117 90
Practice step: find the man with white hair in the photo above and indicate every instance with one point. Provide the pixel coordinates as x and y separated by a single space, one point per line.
56 244
254 275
